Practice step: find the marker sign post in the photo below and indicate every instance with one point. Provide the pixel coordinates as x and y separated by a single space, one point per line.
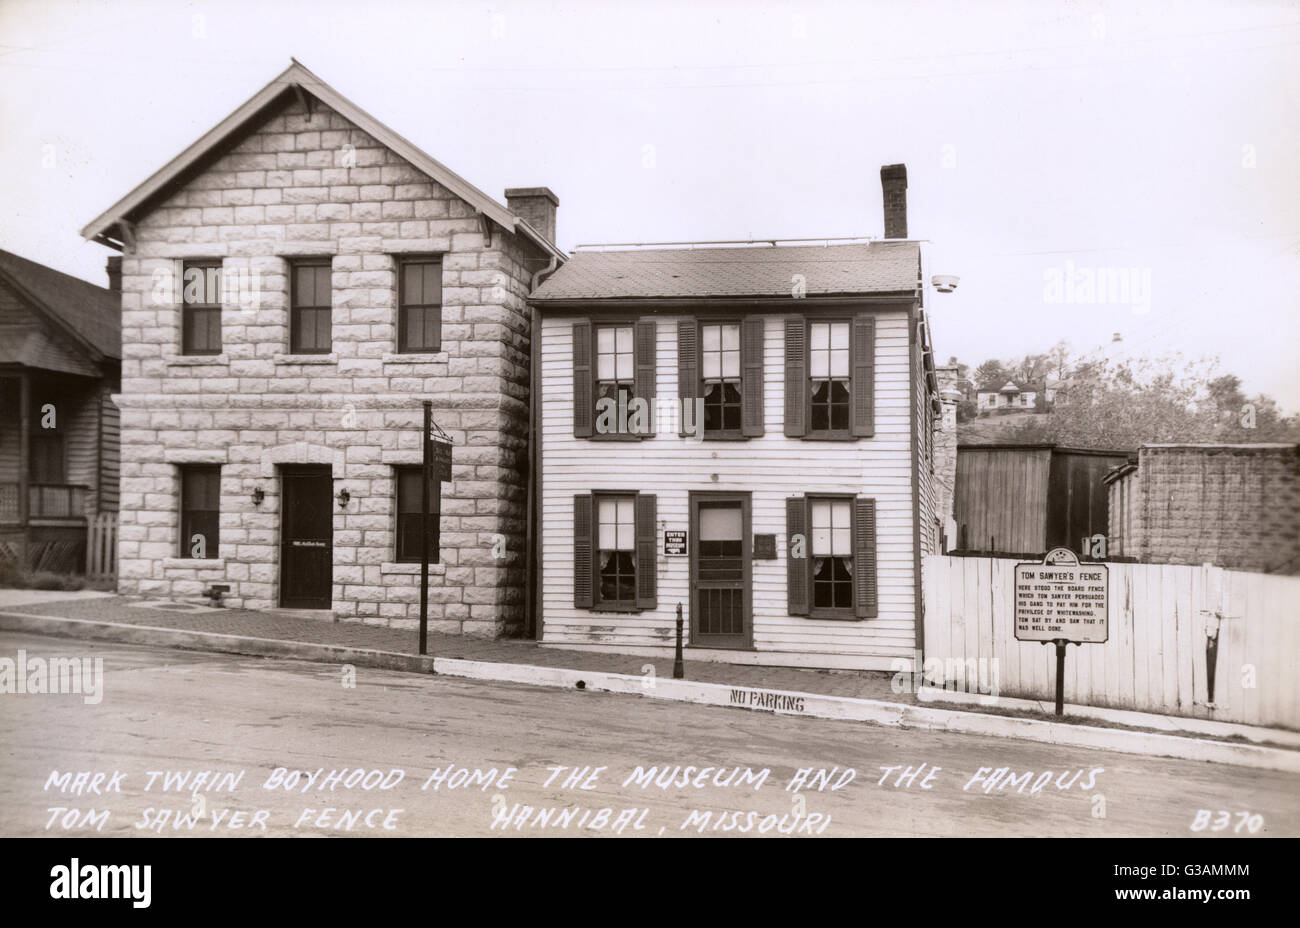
1062 602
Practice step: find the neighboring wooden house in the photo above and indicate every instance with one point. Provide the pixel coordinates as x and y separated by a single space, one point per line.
60 359
1026 499
295 284
779 489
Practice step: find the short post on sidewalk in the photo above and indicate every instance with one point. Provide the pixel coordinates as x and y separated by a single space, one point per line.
679 671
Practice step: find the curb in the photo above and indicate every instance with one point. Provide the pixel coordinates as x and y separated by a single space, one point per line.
1172 724
779 702
185 640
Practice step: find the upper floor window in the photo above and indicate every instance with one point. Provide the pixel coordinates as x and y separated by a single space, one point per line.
720 367
830 373
614 367
410 504
720 377
614 379
200 510
828 369
201 306
419 304
311 307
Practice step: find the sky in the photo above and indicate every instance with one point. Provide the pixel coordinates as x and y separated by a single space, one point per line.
1148 147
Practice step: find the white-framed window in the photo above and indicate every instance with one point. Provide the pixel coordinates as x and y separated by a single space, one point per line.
832 553
828 368
616 550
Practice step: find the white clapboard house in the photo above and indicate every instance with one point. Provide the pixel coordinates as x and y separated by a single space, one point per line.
744 431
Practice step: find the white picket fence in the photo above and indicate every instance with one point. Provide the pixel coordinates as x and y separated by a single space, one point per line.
101 546
1155 658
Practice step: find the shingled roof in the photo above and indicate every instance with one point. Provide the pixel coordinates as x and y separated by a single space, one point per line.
752 271
89 313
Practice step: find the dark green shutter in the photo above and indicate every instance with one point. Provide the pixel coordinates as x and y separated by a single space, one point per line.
864 559
584 402
646 549
751 372
643 359
796 377
583 530
796 568
863 359
688 374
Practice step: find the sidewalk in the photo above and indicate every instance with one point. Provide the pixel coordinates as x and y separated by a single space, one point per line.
247 623
853 696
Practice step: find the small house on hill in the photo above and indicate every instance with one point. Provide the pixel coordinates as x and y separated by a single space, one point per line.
1014 395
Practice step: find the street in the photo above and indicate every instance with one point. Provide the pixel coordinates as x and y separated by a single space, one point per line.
401 755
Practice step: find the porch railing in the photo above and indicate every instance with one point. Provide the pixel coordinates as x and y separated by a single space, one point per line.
44 501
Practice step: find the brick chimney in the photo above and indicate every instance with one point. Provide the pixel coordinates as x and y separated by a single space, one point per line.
893 182
115 273
536 205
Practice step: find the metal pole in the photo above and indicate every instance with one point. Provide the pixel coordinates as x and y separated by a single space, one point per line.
425 473
1060 675
679 670
1211 660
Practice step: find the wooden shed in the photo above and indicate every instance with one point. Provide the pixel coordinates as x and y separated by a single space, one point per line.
1026 499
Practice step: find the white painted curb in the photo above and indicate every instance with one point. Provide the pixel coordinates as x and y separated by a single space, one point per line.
898 715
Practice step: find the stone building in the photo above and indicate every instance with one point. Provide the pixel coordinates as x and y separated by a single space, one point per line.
294 285
1231 505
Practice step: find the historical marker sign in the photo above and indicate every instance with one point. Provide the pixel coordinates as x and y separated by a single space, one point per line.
1061 599
674 542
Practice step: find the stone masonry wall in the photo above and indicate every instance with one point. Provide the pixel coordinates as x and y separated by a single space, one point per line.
303 186
1231 505
945 452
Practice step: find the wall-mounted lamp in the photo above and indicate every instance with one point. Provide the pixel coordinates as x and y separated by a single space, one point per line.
344 498
258 495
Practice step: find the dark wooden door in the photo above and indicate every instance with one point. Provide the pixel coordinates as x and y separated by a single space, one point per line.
721 605
306 538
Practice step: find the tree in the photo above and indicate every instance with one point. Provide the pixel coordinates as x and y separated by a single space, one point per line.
1060 357
990 374
1225 393
1121 405
1030 369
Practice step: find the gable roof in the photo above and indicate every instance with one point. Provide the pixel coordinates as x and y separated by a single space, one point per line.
1010 386
91 315
767 271
107 227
